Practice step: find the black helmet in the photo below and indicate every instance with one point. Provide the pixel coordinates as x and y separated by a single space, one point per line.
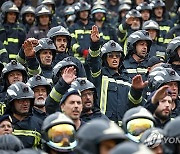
99 2
69 13
152 137
42 10
100 130
84 6
110 46
27 9
150 24
38 80
124 7
10 142
45 2
69 10
131 148
160 75
135 121
140 35
59 31
158 3
48 2
8 6
144 6
83 84
98 9
134 13
17 91
53 127
171 131
31 151
13 66
60 66
171 50
45 43
129 2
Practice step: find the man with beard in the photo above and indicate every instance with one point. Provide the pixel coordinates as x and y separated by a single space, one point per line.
167 81
89 96
62 40
28 17
41 89
71 105
132 23
163 111
162 101
136 60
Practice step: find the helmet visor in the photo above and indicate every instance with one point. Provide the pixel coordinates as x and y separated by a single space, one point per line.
62 136
136 127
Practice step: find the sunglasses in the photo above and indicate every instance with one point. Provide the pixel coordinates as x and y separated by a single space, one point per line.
111 55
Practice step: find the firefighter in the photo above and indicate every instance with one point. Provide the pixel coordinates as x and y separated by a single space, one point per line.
159 15
12 34
62 40
115 94
168 77
41 89
89 98
131 23
145 9
46 52
19 103
138 48
156 48
43 20
173 54
58 134
28 17
135 121
64 73
80 34
99 16
99 141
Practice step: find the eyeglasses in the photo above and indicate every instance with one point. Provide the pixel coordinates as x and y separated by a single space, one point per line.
111 55
87 94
